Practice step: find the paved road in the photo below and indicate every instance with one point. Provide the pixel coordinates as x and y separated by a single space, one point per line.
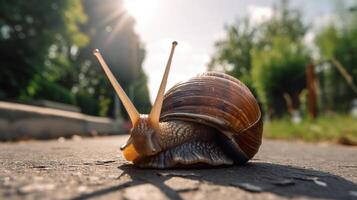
94 168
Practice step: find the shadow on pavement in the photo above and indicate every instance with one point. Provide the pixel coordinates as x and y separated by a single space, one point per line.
285 181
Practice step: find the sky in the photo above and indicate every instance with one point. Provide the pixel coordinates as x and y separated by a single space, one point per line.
196 25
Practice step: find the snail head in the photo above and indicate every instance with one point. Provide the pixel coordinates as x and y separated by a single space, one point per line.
143 140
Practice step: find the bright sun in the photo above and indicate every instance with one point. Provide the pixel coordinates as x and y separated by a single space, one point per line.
141 10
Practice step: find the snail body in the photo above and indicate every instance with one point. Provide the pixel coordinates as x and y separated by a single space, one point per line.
211 119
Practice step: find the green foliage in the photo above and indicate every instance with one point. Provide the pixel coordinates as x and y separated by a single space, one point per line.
46 53
233 52
326 40
279 70
40 88
279 59
339 42
33 30
285 22
104 104
338 128
87 103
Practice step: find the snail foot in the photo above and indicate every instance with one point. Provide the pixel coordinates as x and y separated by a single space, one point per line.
188 155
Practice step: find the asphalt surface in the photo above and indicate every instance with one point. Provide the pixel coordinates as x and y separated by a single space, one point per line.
93 168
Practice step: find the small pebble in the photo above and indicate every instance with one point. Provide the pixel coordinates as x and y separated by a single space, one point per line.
76 138
76 174
313 179
38 178
179 174
353 193
283 182
87 163
248 187
82 188
6 181
320 183
61 139
40 167
36 187
94 180
113 176
103 162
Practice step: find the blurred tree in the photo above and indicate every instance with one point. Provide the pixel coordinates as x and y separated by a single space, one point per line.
37 40
53 57
233 53
337 43
280 59
286 22
269 57
279 71
111 30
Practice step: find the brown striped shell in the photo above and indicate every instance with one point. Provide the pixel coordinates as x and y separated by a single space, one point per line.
220 101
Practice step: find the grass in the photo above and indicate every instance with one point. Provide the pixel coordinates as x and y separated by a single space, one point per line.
336 128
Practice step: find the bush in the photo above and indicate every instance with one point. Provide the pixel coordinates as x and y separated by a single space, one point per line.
338 128
41 88
279 70
87 103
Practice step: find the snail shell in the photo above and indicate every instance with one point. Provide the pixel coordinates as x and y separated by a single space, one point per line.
222 102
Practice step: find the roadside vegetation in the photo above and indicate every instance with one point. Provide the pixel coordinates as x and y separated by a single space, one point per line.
336 128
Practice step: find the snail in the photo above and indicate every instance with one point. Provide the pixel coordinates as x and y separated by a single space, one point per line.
210 120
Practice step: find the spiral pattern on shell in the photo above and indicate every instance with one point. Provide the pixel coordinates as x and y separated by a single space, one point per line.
220 101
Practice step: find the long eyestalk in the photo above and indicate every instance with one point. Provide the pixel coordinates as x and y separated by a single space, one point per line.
156 109
130 108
